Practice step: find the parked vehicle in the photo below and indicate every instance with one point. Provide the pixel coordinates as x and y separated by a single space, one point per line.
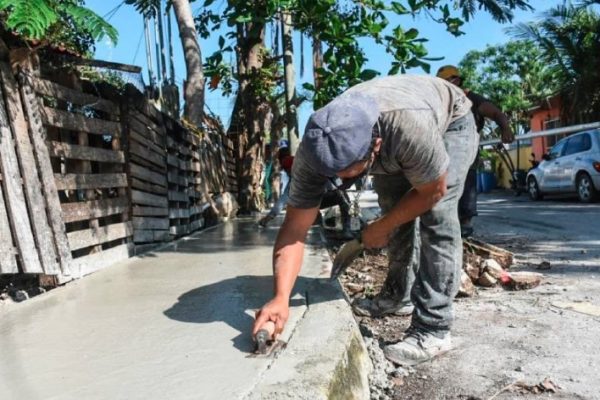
571 166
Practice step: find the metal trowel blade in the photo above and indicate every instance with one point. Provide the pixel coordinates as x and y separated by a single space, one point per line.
348 252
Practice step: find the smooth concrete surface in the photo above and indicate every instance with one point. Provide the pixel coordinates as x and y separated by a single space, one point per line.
176 323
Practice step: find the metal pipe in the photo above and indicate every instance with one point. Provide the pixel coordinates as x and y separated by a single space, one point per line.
170 40
148 51
159 77
161 33
549 132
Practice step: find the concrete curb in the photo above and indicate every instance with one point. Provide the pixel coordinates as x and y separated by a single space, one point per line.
326 357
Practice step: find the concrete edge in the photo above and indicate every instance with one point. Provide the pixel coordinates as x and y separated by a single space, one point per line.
326 357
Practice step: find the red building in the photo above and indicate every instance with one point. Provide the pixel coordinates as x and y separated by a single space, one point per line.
543 117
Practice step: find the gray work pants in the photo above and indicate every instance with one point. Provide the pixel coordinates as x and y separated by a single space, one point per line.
425 255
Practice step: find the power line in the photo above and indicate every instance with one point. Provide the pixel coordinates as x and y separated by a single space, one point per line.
112 12
137 49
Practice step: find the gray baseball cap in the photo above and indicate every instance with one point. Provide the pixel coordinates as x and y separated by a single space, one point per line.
340 134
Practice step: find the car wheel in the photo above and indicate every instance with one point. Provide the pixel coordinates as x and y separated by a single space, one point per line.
586 191
533 189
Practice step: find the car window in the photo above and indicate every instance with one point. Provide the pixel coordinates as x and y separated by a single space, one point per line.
556 151
577 144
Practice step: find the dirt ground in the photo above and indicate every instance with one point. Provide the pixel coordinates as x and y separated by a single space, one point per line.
540 343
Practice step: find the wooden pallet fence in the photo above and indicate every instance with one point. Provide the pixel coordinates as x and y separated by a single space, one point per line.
84 141
148 173
179 175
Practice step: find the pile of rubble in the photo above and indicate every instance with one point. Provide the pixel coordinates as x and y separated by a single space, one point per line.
487 265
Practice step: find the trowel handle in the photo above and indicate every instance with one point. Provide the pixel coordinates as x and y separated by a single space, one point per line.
267 329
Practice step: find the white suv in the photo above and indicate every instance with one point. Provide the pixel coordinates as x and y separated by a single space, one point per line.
572 166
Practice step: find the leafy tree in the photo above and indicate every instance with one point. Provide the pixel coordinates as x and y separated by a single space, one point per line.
65 22
193 90
569 39
512 75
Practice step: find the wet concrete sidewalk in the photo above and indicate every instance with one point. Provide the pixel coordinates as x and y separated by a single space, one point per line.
176 323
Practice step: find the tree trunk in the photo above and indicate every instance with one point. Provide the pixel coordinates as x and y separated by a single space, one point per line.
247 117
291 115
317 56
193 88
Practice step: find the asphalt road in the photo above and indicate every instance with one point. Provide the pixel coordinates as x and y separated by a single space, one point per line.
550 332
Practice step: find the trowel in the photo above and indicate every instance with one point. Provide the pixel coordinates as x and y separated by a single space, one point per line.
266 345
348 252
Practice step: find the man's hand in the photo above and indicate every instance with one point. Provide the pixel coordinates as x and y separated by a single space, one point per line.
507 135
376 235
276 310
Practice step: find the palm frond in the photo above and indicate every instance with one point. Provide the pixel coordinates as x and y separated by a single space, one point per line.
88 20
29 18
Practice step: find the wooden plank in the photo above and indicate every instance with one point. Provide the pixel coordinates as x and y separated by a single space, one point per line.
175 213
147 132
84 210
148 199
38 136
147 154
173 160
148 122
179 230
178 196
198 224
156 148
91 237
174 177
149 187
135 159
147 175
55 90
150 223
90 181
8 262
147 236
76 152
78 122
15 198
31 181
149 211
94 262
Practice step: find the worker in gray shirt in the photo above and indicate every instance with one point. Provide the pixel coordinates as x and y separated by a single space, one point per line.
417 136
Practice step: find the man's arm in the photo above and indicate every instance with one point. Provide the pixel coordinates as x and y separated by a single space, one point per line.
489 110
416 202
287 261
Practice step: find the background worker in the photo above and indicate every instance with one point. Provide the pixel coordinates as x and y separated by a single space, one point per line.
482 108
333 196
416 134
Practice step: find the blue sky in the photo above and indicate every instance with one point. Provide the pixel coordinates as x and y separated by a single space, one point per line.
481 31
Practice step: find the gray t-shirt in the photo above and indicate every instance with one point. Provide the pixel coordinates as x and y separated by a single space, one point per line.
414 113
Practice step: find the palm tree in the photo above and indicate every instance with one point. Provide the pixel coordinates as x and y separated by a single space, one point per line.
569 37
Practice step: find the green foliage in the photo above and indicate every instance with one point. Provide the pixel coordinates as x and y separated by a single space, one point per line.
513 76
29 18
569 41
64 22
341 26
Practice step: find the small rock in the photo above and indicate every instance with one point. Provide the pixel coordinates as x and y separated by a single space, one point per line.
21 295
424 377
398 381
584 251
519 369
544 265
511 326
472 270
493 268
4 296
401 372
354 288
487 280
467 289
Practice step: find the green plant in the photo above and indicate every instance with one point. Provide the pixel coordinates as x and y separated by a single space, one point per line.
64 22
